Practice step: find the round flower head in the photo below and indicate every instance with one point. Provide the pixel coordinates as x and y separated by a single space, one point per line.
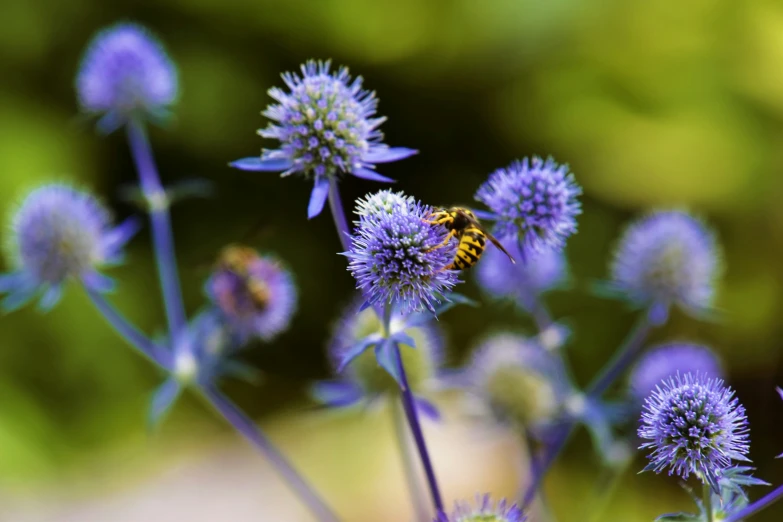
664 361
694 425
326 127
56 233
484 511
517 380
667 258
397 257
256 294
125 72
523 281
534 201
421 362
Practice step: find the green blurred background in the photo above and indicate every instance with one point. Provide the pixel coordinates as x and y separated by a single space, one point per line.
651 103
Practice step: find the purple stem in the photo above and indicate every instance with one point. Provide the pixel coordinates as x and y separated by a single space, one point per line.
413 420
338 214
130 333
245 426
408 465
762 503
162 237
622 358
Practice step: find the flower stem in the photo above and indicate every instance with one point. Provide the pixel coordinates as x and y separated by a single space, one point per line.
706 495
338 214
622 358
162 237
408 465
130 333
247 428
762 503
409 407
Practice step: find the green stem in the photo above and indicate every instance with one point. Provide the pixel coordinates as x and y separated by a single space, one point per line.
706 492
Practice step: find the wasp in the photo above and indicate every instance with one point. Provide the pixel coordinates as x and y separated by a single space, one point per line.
236 259
472 236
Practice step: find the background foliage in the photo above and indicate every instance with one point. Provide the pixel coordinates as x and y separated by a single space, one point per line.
652 103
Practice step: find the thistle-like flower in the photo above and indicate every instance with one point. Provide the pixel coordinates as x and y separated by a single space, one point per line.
326 127
364 378
397 257
533 201
694 425
125 72
521 282
256 294
517 381
56 233
667 258
666 360
484 511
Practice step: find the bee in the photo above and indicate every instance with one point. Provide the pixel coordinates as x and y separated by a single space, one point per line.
463 225
236 260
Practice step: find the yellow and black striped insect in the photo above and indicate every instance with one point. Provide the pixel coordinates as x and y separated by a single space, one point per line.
237 259
463 225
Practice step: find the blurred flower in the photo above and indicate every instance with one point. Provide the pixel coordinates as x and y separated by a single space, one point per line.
485 511
398 258
666 360
516 380
667 258
326 127
56 233
524 281
364 378
256 294
125 72
694 425
534 201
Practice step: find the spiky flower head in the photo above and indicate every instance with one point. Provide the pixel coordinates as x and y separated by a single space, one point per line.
255 293
666 258
484 511
694 424
326 127
125 72
522 282
533 200
397 257
666 360
421 362
516 380
56 233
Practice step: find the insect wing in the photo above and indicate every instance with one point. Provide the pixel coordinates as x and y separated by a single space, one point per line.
478 225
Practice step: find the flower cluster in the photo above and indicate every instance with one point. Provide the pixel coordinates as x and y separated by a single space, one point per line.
535 201
694 424
397 257
326 126
56 233
484 511
125 72
668 258
255 294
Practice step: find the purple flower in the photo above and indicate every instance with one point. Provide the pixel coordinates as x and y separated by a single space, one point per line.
125 72
523 281
484 511
516 380
694 425
326 127
398 258
666 360
534 201
256 294
667 258
60 232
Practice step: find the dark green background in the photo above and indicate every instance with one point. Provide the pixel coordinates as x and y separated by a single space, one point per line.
651 103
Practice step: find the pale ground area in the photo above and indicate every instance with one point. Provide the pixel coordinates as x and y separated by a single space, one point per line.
352 461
